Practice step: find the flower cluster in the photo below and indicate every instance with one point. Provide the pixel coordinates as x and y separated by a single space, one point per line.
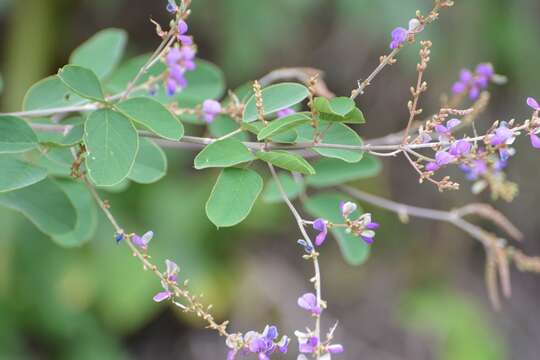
363 226
262 344
474 83
180 59
400 34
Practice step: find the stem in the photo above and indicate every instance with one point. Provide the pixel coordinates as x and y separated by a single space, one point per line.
314 255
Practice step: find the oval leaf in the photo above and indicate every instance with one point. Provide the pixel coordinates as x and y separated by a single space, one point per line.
337 133
112 143
233 196
50 93
286 160
86 211
102 52
282 125
45 205
338 109
275 98
16 135
154 116
150 164
331 172
17 174
223 153
82 81
326 206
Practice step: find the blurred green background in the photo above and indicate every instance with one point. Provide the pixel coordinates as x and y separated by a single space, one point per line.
420 296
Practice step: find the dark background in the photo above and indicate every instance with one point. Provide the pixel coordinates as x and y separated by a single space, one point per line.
420 296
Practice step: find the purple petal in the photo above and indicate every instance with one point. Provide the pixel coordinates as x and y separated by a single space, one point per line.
465 76
459 87
452 123
372 226
443 158
185 40
284 112
335 349
432 166
535 141
441 129
182 27
474 93
533 104
460 148
368 239
164 295
307 301
485 70
231 355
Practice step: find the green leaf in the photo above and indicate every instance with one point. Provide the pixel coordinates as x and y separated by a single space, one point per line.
82 81
87 216
275 98
16 135
102 52
341 109
282 125
233 196
286 160
150 164
223 153
154 116
326 206
17 174
73 137
223 125
50 93
287 137
45 205
271 193
112 144
337 133
331 172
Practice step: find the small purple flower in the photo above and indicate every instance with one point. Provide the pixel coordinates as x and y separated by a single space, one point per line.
309 345
399 36
320 225
474 83
335 349
142 241
446 131
460 148
210 109
368 228
265 344
171 277
347 208
309 302
535 141
475 169
503 135
533 103
307 248
172 7
284 112
443 158
432 166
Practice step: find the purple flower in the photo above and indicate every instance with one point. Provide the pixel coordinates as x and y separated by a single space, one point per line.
460 148
320 225
307 248
265 344
347 208
179 60
432 166
474 83
535 141
446 131
368 229
443 158
142 241
284 112
172 7
170 277
308 345
533 104
309 302
503 135
399 36
475 169
335 349
210 109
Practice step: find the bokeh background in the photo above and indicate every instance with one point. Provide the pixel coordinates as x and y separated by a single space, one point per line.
420 296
